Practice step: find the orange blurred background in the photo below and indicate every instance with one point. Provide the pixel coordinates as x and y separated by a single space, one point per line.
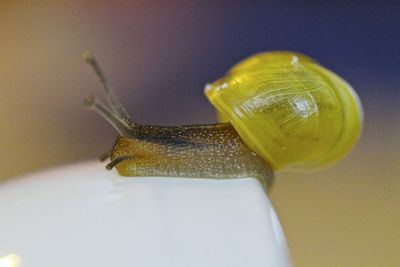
159 56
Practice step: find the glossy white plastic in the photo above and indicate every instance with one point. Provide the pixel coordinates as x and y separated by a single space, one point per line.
83 215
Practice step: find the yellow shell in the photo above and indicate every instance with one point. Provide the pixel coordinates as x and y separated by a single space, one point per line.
289 110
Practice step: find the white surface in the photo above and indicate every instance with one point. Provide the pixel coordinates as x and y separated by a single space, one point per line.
83 215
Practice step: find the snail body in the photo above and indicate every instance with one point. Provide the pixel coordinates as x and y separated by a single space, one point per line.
278 110
207 151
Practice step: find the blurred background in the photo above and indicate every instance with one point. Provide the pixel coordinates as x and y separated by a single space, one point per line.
159 56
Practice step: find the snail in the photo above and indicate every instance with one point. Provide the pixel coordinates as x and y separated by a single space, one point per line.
278 111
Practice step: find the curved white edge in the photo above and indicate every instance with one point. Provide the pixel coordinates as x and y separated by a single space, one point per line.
83 215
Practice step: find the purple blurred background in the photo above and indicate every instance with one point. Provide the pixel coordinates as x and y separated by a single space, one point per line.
159 56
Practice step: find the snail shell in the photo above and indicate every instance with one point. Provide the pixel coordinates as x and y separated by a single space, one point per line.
291 111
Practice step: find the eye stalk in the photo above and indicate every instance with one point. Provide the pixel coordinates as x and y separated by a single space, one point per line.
112 98
116 115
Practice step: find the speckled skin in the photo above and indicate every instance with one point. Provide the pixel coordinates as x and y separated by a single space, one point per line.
203 151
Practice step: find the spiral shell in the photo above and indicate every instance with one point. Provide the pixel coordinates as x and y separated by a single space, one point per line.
289 110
